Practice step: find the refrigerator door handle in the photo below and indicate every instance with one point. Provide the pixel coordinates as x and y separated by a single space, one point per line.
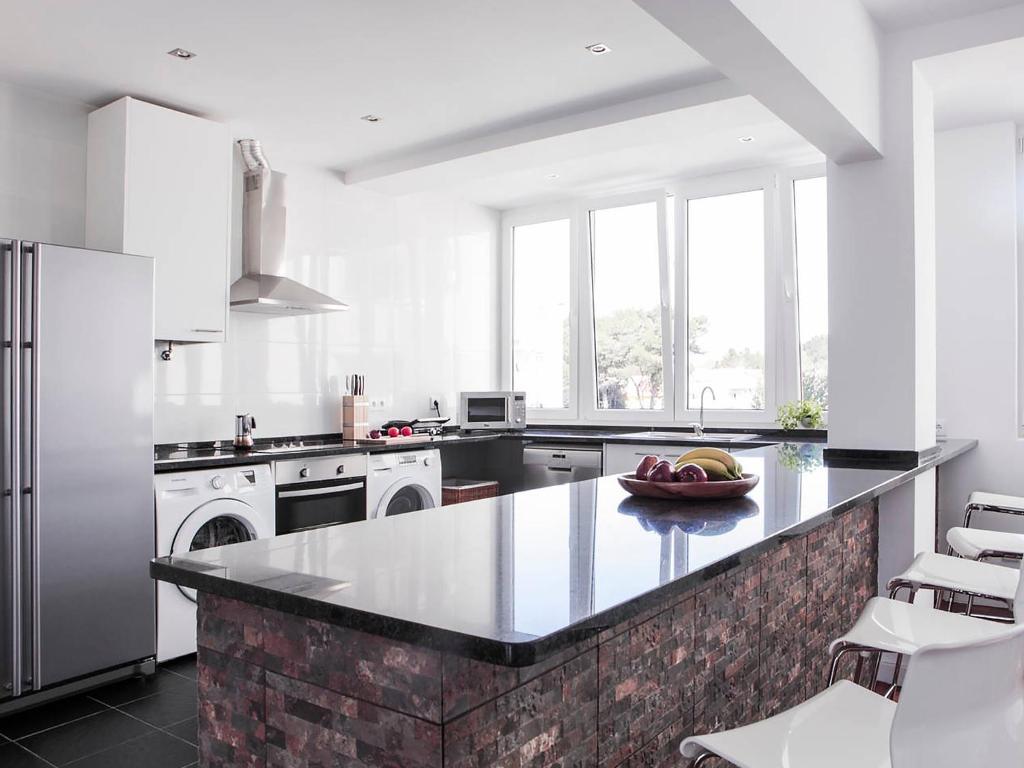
11 318
30 469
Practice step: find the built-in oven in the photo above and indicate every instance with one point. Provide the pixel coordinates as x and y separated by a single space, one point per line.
315 493
493 410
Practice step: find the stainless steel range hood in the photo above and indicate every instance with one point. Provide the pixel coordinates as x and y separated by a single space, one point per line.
262 288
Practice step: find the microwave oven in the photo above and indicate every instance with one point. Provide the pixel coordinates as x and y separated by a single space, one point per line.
493 410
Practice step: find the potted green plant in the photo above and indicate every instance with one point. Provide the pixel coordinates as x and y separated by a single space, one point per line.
803 414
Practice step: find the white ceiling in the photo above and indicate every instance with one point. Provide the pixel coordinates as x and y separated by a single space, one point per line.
977 85
898 14
684 143
298 75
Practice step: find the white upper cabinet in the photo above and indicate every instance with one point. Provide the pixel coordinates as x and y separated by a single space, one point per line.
159 184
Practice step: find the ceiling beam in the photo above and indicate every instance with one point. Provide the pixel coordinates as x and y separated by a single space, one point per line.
815 65
495 142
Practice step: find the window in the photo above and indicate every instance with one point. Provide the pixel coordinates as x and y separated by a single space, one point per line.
626 309
810 219
541 296
629 337
725 244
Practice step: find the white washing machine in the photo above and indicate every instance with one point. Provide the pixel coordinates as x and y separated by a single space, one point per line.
402 482
197 510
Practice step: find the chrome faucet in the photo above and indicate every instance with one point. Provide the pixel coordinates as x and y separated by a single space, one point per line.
698 428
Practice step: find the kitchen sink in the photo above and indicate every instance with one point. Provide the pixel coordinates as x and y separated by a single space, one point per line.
710 437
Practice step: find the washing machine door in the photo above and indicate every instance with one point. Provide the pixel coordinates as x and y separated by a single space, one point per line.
405 496
214 524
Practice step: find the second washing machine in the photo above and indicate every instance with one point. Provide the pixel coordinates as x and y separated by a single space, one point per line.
402 482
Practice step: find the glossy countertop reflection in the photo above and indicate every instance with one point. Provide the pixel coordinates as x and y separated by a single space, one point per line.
515 578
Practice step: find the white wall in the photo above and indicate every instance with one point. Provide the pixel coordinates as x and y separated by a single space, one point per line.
42 166
421 275
976 240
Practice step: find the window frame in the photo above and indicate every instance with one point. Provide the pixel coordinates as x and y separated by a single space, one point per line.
524 217
588 331
790 295
781 300
728 184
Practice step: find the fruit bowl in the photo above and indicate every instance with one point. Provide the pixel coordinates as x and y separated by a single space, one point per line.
712 489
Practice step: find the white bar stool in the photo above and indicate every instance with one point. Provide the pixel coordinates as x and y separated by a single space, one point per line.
962 705
978 543
980 501
944 573
891 626
982 544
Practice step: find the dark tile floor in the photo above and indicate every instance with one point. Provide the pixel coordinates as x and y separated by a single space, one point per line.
132 724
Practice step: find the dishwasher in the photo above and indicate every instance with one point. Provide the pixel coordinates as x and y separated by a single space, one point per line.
550 464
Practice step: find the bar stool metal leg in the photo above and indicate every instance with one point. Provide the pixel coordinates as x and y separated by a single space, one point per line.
859 670
895 677
875 670
837 655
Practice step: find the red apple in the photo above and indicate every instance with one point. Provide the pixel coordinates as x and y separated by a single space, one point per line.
393 432
374 434
662 472
643 469
691 473
406 431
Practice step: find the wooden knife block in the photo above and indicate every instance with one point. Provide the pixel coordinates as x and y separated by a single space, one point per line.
355 417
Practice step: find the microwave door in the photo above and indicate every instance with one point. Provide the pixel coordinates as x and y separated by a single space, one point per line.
487 410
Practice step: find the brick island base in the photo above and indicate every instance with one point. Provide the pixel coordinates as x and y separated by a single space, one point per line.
289 692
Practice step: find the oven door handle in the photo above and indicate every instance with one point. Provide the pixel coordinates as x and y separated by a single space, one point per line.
319 491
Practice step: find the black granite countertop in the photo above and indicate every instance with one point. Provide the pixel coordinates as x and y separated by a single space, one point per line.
514 579
178 457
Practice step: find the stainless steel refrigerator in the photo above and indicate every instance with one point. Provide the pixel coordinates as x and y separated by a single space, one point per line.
77 527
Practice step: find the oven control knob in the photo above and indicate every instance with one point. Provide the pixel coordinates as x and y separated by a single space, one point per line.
304 472
217 481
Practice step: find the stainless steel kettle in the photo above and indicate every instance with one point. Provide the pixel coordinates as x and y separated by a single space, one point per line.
244 425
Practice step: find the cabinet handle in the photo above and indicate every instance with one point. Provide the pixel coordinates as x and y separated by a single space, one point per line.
207 330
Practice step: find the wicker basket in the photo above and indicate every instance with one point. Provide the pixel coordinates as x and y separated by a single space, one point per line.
456 491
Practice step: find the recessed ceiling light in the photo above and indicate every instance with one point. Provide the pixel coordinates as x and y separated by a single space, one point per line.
746 139
550 176
598 48
371 118
181 53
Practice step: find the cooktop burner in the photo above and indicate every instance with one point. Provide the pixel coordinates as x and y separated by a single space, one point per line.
298 445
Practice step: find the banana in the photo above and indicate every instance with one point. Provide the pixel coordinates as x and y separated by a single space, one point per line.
716 454
716 470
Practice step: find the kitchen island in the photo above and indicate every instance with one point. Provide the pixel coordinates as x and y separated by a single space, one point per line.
571 626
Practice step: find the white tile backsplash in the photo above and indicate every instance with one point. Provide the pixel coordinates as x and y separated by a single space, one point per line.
421 275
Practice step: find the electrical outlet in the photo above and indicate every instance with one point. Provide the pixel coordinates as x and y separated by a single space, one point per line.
431 400
940 428
377 404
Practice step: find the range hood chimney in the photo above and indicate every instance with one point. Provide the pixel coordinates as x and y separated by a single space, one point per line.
262 288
